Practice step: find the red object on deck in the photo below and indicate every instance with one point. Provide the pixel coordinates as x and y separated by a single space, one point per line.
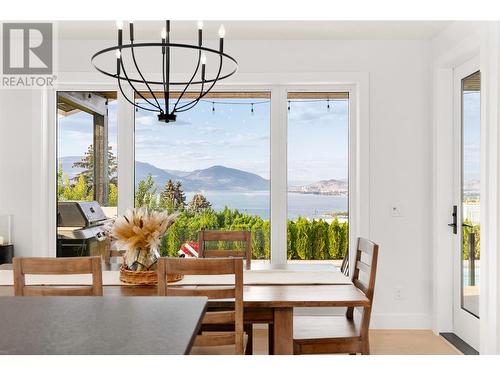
189 249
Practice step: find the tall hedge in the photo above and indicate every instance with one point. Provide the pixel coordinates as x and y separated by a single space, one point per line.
306 239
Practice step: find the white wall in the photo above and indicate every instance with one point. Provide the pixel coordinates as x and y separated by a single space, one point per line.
455 45
20 166
400 150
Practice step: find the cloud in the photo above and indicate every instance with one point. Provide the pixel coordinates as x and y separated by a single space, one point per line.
312 113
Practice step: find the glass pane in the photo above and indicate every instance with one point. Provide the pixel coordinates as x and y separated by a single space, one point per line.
471 120
212 165
76 139
318 186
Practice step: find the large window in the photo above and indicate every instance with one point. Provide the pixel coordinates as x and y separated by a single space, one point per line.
212 165
86 148
318 170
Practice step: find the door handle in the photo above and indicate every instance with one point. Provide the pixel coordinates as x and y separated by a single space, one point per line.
454 223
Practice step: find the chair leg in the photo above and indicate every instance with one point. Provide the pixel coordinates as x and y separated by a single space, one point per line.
270 338
249 331
365 347
349 314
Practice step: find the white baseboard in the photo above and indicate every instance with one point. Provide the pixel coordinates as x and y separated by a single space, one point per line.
379 321
401 321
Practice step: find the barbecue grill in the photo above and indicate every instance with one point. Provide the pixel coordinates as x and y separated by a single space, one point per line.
81 229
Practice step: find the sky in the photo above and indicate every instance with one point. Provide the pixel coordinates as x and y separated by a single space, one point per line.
471 136
231 136
75 132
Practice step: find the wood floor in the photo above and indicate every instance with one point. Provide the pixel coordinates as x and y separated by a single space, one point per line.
386 342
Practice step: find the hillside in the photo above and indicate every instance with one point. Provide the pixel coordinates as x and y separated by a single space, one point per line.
326 187
213 178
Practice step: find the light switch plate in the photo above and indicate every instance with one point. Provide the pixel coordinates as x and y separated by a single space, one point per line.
396 211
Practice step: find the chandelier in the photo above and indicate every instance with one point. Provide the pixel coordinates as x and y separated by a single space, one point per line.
128 70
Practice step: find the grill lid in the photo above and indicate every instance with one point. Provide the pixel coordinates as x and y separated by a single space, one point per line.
79 214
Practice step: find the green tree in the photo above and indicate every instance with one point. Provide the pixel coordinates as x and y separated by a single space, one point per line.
145 194
113 195
198 203
320 239
291 240
172 198
303 241
87 164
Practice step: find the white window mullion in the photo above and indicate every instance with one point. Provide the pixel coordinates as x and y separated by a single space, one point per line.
278 175
126 151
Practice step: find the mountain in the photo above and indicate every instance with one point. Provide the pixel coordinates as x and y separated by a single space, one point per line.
161 176
214 178
223 178
67 165
326 187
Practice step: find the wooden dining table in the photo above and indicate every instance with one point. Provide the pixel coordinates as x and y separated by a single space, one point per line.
268 304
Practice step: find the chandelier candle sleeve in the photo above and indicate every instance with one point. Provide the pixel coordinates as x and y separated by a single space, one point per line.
200 33
119 25
222 34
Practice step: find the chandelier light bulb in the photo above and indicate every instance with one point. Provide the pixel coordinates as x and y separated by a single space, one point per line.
163 33
222 31
131 21
119 25
118 54
203 59
200 25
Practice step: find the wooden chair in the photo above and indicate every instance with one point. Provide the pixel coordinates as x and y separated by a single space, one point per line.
210 342
57 266
228 236
341 334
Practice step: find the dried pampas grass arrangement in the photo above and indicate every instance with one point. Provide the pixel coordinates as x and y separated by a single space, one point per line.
140 232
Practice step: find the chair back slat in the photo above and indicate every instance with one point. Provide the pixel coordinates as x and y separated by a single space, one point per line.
362 266
57 266
219 317
190 266
38 291
209 266
366 246
210 293
215 339
224 254
226 236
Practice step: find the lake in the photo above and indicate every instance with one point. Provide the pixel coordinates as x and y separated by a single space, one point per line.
313 206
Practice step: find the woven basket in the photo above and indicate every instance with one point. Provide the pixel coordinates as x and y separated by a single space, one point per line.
144 277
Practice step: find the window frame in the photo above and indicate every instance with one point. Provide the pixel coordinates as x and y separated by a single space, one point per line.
356 84
351 157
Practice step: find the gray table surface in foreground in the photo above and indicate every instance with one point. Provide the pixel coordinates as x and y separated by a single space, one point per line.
99 325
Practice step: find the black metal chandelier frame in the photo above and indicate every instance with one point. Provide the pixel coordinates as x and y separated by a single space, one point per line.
167 113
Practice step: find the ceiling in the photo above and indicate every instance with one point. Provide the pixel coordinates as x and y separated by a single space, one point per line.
262 30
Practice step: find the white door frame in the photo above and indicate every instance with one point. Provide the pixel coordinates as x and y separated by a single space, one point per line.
484 42
465 325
